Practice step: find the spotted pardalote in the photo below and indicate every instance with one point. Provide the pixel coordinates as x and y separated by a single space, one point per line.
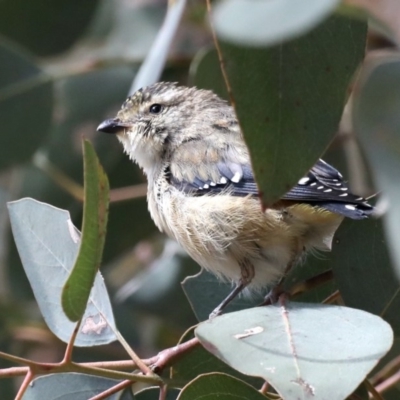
202 191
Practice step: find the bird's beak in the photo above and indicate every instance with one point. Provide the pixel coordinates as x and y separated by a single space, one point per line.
112 125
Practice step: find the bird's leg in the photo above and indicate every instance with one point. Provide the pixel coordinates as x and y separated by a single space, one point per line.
273 295
247 274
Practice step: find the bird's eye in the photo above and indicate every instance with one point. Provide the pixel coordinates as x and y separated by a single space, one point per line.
155 108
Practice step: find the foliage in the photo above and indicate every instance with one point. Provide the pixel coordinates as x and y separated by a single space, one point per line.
299 82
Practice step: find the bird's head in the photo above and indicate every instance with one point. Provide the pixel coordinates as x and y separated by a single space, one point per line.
157 119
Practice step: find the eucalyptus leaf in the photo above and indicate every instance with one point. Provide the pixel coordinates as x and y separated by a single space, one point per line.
205 292
69 386
26 105
45 27
199 361
152 67
364 272
377 122
48 244
154 394
263 23
289 98
219 386
304 351
77 289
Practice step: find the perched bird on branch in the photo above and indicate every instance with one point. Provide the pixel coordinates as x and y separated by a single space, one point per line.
202 191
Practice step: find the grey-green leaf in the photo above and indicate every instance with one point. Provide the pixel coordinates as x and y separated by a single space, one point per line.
69 386
26 105
205 291
304 351
219 386
289 98
264 23
377 122
154 394
152 67
48 244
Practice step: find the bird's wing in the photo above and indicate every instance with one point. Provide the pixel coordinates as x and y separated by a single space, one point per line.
205 168
323 186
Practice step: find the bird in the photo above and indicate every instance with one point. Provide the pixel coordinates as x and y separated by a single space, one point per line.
202 191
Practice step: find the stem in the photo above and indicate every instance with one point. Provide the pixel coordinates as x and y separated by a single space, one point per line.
115 389
61 179
128 193
138 361
28 379
372 390
70 346
333 298
221 58
264 388
163 392
388 383
311 283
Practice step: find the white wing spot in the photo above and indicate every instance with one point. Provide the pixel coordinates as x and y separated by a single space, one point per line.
313 184
349 207
206 186
223 180
320 187
327 190
236 178
213 184
303 181
343 195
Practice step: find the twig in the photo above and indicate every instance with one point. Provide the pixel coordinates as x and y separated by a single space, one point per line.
221 58
390 368
128 193
61 179
115 389
163 392
311 283
28 379
388 383
333 298
138 361
373 392
70 346
158 362
264 388
169 356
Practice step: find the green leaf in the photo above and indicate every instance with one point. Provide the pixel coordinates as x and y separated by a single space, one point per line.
154 394
79 284
48 244
45 27
219 386
377 123
263 23
289 98
205 292
153 66
304 351
199 361
360 254
69 386
26 106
